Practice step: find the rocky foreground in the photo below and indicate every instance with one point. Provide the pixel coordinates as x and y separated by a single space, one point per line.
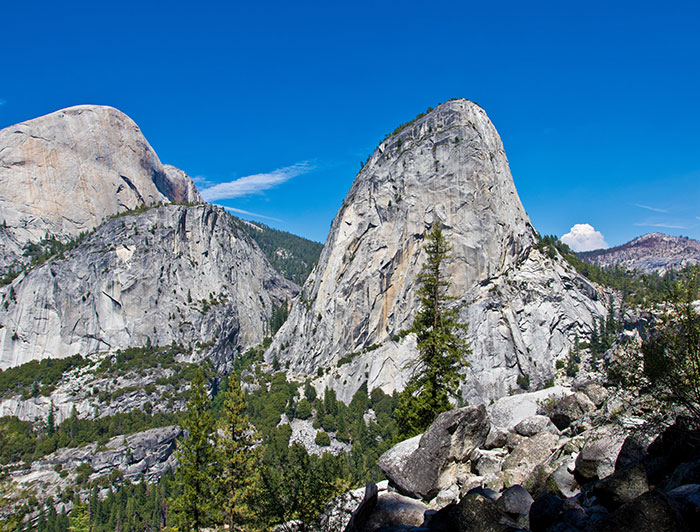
561 459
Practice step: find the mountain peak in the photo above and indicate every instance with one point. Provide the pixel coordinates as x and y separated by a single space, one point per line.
65 172
448 165
652 252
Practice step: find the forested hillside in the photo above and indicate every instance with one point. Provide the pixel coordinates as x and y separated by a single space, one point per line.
291 255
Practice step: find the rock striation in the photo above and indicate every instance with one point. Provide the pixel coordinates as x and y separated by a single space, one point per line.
650 253
523 308
144 455
173 274
64 173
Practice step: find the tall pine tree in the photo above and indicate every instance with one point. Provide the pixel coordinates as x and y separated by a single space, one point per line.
240 460
442 352
195 506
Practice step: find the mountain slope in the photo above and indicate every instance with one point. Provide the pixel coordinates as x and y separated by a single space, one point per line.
291 255
65 172
653 252
523 308
171 274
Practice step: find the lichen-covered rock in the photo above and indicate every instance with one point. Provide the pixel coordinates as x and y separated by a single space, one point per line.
419 467
393 509
507 412
621 487
650 512
599 452
527 455
569 409
534 425
523 308
474 513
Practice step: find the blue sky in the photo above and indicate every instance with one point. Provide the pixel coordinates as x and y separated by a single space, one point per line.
598 103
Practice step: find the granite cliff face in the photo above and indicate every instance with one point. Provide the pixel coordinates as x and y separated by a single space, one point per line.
523 308
653 252
187 275
65 172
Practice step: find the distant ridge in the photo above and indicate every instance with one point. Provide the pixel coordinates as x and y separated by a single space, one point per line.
650 253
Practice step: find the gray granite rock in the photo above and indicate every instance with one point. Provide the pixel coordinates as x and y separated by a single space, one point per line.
65 172
534 425
523 308
144 455
171 274
424 465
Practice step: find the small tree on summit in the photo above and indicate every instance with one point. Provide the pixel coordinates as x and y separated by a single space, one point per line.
435 374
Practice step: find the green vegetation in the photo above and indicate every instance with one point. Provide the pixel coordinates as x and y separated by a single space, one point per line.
49 247
292 484
22 440
291 255
523 381
139 359
435 374
39 252
140 209
323 439
195 507
36 377
672 353
279 316
239 459
128 508
403 126
637 288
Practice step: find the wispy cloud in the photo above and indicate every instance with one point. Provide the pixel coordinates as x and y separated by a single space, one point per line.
661 225
2 102
254 184
202 181
647 207
248 213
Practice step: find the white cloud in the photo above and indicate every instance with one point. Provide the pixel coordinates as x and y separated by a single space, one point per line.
253 184
647 207
583 237
248 213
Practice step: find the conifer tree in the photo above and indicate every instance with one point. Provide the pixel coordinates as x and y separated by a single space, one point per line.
240 460
435 374
79 519
195 506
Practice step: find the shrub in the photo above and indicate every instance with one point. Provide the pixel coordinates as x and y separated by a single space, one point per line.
524 381
323 439
672 353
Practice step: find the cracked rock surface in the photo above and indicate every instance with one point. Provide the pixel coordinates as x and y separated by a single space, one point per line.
523 307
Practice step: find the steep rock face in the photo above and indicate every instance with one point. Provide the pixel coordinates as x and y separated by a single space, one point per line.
522 308
144 455
653 252
171 274
63 173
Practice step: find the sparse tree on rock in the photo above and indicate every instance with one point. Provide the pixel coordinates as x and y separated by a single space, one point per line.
442 351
